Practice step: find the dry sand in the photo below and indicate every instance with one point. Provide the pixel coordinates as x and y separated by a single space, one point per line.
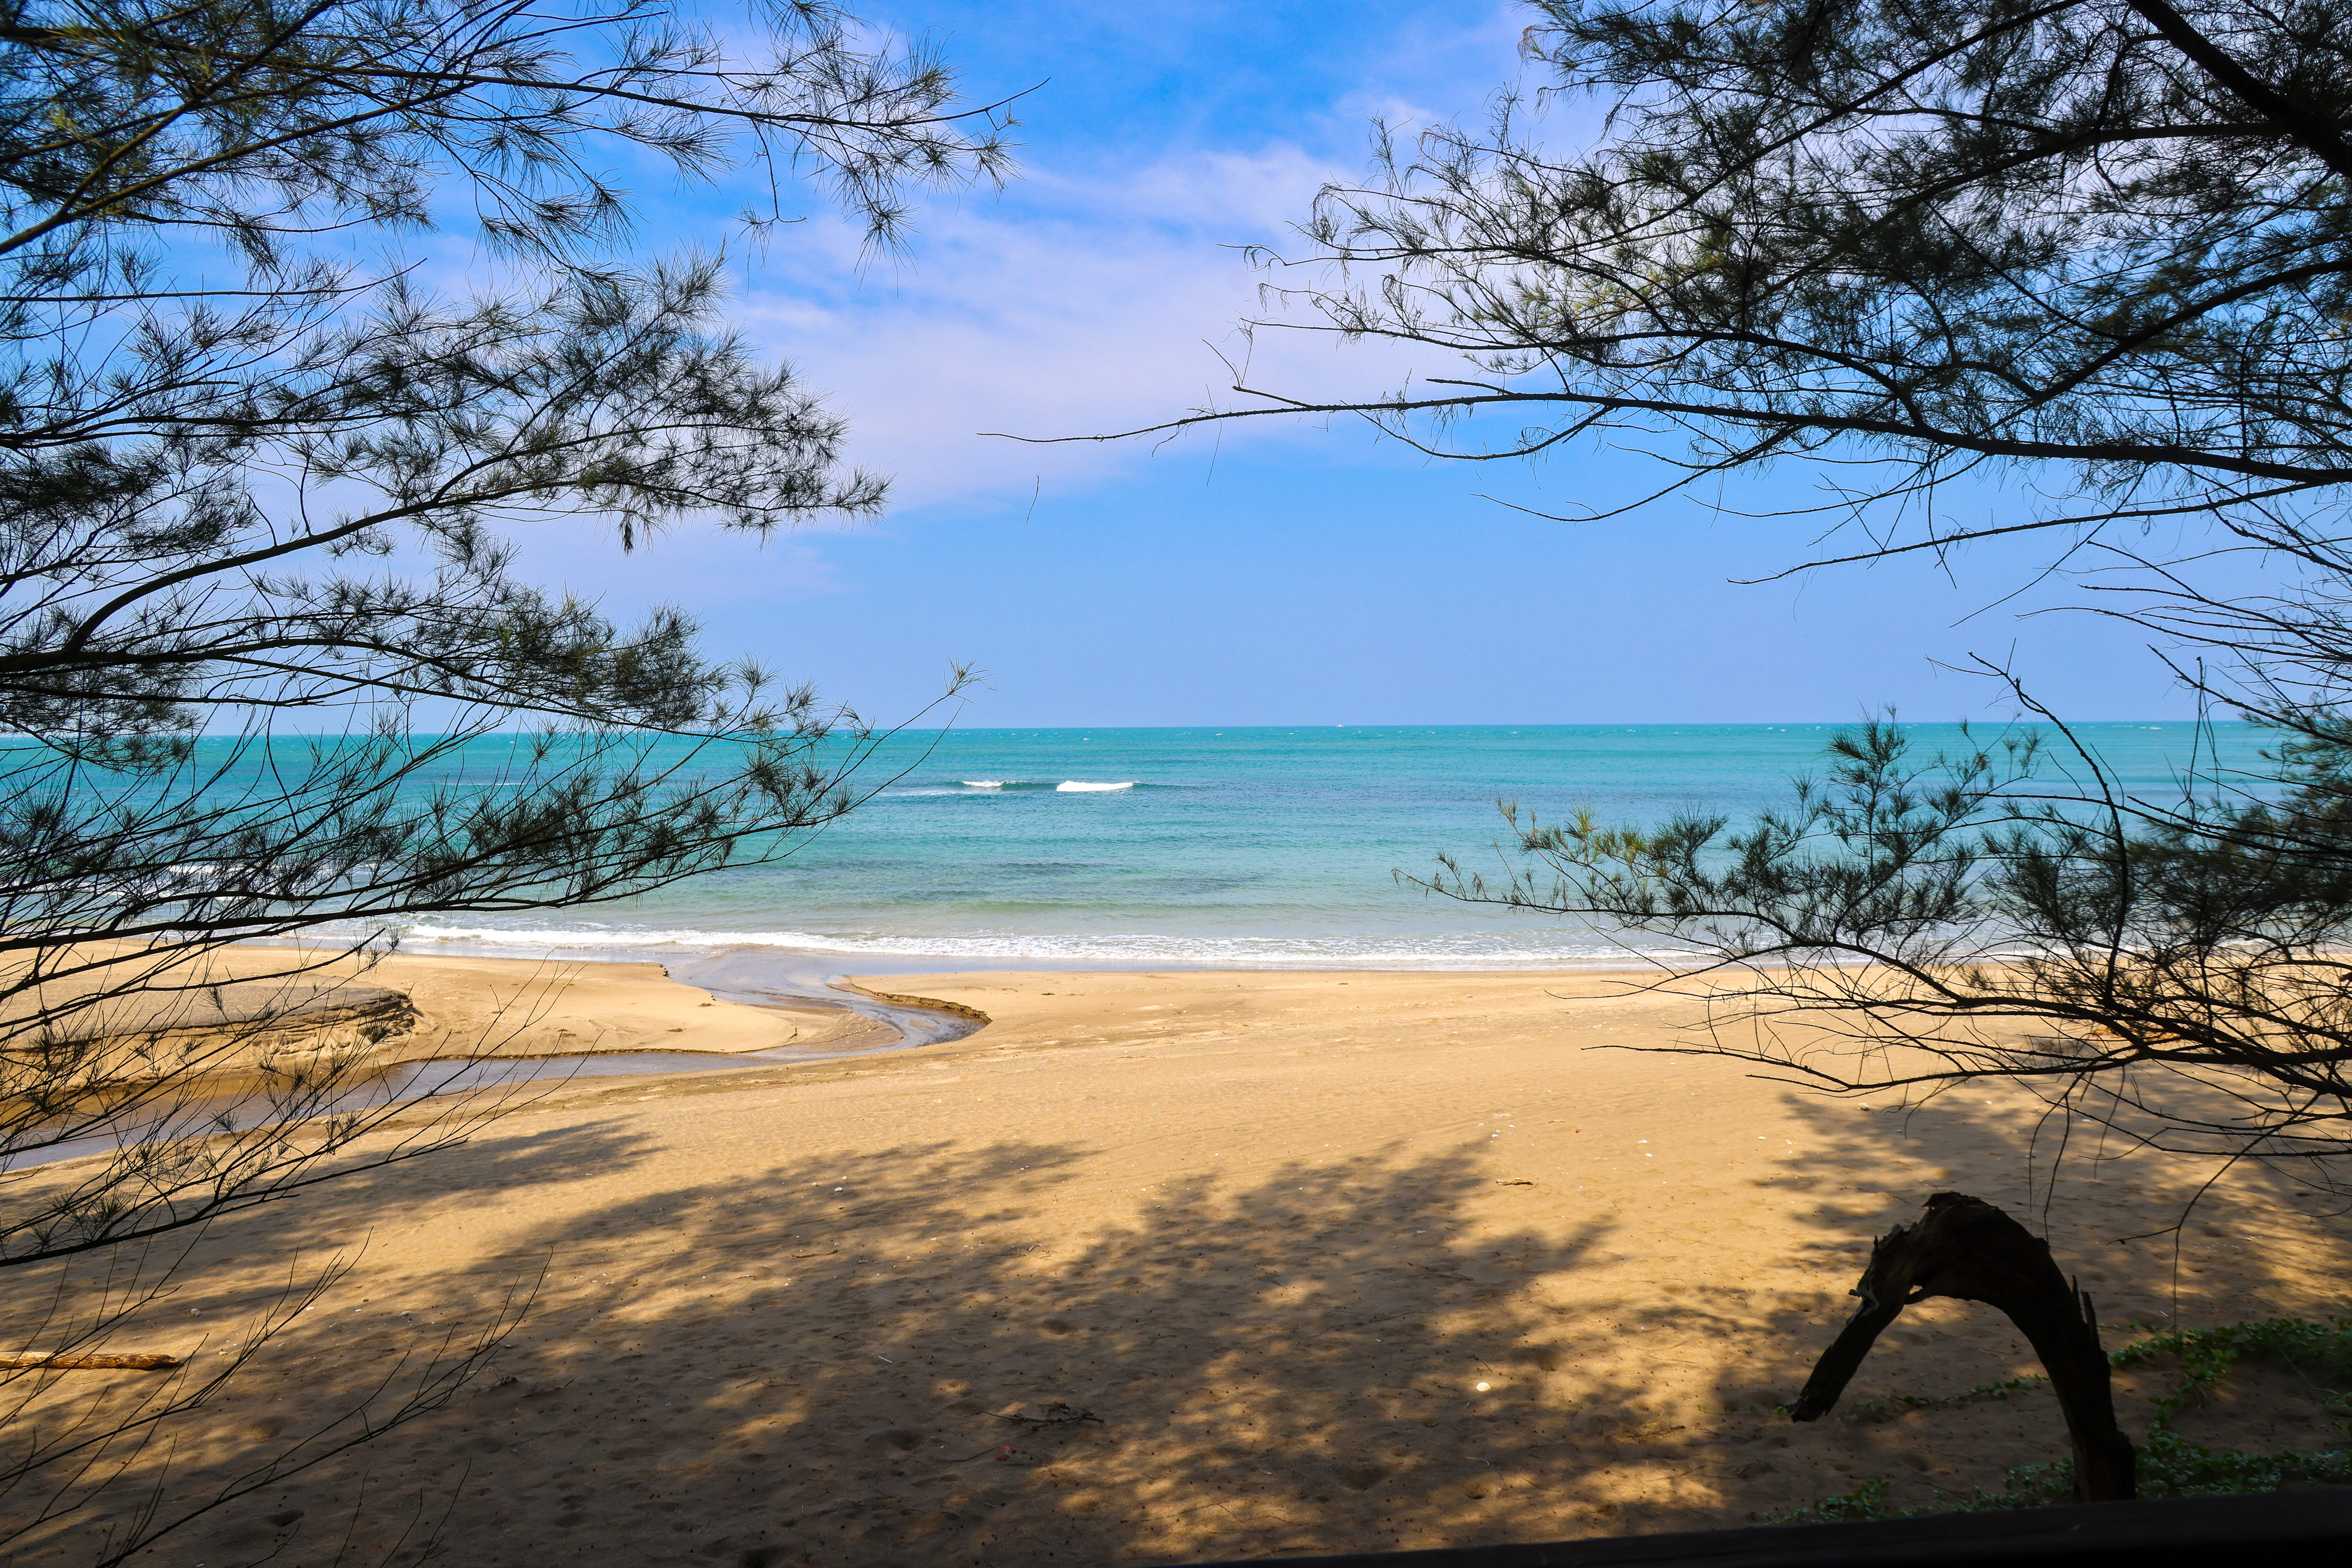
1333 1262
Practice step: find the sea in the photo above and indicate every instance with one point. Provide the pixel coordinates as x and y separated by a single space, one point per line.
1243 847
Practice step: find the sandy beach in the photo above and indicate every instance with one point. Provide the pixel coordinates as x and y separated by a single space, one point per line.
417 1007
1153 1267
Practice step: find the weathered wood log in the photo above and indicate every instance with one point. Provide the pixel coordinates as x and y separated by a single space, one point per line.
1965 1248
62 1361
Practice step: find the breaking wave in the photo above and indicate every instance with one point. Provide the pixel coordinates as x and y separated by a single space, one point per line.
1467 950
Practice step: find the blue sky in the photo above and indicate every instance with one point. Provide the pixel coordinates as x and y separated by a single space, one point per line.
1283 573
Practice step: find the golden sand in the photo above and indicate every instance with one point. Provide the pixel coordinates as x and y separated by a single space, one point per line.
266 1001
1327 1261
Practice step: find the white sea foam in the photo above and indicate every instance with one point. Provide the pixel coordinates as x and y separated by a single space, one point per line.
1423 951
1080 787
984 783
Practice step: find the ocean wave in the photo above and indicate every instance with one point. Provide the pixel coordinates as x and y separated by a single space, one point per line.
1062 786
1434 951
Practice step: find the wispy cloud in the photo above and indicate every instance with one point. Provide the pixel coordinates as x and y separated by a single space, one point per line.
1094 304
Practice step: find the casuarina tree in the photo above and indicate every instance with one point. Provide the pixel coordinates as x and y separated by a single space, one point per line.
2087 258
261 444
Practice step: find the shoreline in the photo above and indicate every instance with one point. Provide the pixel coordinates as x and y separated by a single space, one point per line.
805 963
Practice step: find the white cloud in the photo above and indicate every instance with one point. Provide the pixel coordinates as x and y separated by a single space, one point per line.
1090 305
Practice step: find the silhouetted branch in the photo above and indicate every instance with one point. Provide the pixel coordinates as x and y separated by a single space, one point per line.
1965 1248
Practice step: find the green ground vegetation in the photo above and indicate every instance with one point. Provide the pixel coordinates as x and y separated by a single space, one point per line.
2169 1464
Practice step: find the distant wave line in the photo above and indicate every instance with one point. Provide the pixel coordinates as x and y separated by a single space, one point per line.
1125 947
1063 787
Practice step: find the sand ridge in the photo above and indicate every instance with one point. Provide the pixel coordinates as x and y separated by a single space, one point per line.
460 1006
519 1007
1272 1231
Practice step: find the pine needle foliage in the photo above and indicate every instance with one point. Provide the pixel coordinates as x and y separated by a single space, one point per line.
253 468
2090 253
262 446
1905 239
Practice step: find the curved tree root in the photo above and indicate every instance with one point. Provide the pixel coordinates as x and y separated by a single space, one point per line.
1965 1248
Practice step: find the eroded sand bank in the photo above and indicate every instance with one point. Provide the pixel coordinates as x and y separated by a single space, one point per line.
1272 1231
266 1001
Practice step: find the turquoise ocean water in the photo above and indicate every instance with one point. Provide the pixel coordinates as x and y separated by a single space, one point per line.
1234 847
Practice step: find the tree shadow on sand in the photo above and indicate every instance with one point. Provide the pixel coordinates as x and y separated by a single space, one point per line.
819 1364
872 1358
2159 1241
274 1377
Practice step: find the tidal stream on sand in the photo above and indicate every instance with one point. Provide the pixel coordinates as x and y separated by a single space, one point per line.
755 980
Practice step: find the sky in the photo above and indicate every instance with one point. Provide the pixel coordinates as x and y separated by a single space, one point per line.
1287 572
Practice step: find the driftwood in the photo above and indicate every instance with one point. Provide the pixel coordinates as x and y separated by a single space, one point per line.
55 1360
1965 1248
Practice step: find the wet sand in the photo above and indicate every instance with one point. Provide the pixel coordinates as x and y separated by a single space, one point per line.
447 1007
516 1007
1166 1267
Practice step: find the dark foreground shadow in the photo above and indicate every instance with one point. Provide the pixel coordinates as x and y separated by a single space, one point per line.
869 1359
